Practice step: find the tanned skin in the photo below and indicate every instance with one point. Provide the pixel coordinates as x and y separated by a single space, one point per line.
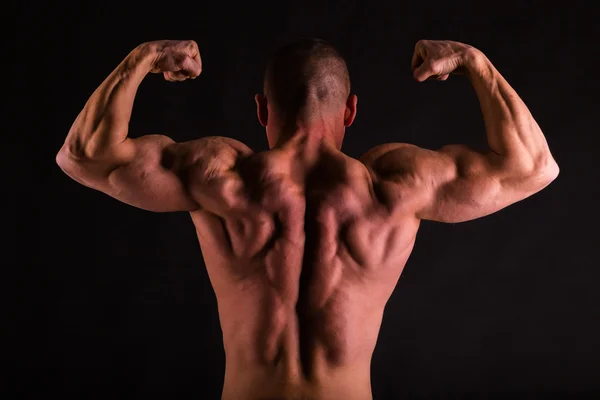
303 244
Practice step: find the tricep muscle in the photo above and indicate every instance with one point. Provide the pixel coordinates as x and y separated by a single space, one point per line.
464 184
453 184
148 172
155 178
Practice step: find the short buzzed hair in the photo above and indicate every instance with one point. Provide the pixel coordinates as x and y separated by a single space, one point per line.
303 68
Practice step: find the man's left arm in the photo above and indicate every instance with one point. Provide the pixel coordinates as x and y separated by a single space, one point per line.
149 172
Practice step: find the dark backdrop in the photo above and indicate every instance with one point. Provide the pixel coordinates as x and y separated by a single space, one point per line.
115 302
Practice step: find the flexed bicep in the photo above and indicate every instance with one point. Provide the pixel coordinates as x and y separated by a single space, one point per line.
457 183
155 173
148 172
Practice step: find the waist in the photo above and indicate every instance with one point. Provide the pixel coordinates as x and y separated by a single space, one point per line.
279 382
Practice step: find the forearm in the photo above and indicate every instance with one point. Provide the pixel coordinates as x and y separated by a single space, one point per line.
104 121
512 131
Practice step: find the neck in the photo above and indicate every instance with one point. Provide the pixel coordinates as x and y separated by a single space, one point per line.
308 139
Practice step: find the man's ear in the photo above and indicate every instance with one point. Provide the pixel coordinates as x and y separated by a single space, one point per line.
350 112
261 109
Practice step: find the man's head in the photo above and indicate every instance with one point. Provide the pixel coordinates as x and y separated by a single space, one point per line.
306 82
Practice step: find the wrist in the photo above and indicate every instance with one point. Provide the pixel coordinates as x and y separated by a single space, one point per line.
474 61
142 57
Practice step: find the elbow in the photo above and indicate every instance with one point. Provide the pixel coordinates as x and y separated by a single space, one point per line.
542 172
546 169
61 156
70 163
551 170
82 169
72 152
532 173
64 159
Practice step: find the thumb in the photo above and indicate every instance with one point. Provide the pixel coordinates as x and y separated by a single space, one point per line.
191 67
422 72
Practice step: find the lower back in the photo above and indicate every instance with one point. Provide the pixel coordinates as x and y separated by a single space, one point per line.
287 353
351 381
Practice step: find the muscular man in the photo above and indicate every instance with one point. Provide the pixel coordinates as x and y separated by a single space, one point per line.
303 244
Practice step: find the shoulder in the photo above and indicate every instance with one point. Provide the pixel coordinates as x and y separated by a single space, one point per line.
199 150
393 158
213 145
376 152
409 166
211 155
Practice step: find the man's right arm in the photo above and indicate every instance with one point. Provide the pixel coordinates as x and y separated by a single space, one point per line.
456 183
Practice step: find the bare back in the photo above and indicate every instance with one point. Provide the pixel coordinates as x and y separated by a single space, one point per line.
302 263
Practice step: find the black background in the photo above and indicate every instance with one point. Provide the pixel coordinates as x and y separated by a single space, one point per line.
114 302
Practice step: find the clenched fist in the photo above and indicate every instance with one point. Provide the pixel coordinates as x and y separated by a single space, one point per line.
178 60
437 59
